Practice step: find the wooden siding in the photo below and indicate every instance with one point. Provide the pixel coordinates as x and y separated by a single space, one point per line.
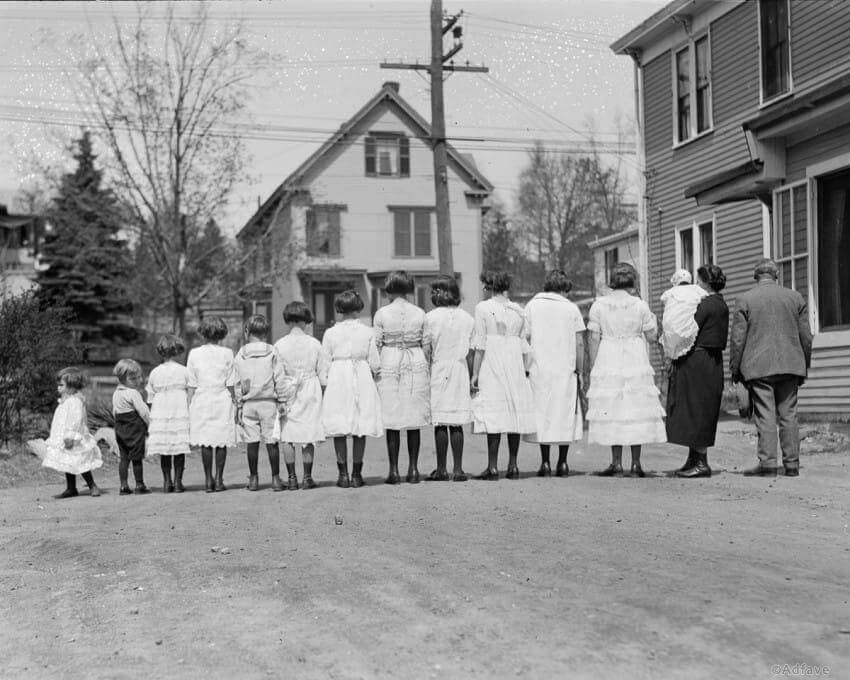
815 150
820 38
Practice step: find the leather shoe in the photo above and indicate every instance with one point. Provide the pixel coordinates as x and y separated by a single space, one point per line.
125 491
253 483
759 471
459 476
308 483
392 478
277 483
792 472
412 476
610 471
438 476
699 470
489 475
562 470
637 470
356 480
512 473
292 483
343 482
141 489
545 470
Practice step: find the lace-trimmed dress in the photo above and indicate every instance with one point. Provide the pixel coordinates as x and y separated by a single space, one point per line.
305 362
168 432
450 330
212 415
405 384
624 408
69 422
504 402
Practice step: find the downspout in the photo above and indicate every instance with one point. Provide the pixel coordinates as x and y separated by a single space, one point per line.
643 196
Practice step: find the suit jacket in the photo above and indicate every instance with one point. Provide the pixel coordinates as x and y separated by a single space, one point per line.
770 333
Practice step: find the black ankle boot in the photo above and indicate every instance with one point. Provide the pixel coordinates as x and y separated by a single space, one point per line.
690 462
357 476
292 483
343 481
700 468
308 482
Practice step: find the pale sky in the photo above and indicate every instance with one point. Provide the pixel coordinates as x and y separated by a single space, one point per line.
552 76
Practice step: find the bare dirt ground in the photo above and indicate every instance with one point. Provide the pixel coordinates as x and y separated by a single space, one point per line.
584 577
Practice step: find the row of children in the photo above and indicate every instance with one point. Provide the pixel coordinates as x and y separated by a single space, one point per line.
407 371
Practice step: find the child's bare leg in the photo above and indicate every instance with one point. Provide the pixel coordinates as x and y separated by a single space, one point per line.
341 448
179 466
123 470
307 457
207 459
253 457
139 476
359 446
220 460
165 466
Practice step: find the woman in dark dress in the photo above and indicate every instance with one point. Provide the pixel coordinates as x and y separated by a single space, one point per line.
695 387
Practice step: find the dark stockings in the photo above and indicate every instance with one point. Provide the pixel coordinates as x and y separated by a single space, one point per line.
493 441
563 450
124 468
254 455
442 435
393 446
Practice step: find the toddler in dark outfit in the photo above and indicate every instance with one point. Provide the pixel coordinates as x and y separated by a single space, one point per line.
131 423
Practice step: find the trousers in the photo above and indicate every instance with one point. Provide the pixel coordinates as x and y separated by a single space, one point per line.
775 407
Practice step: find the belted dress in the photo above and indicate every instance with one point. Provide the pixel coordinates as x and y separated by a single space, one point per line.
305 362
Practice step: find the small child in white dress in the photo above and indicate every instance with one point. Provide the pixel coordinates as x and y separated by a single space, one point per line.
70 448
305 362
680 304
168 432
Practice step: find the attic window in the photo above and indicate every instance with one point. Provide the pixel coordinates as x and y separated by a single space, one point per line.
387 155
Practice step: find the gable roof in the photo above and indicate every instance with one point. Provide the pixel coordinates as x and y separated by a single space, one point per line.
462 164
659 23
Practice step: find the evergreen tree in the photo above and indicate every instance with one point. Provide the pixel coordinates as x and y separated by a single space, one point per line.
87 263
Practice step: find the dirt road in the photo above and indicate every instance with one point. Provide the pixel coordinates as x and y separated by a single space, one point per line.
583 577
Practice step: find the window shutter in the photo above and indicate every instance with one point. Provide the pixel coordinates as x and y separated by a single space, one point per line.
422 233
310 232
370 157
404 157
334 233
401 227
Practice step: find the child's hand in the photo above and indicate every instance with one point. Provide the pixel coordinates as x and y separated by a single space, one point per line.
239 415
281 408
69 442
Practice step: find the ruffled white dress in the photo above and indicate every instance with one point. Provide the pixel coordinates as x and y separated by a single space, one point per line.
450 330
167 390
212 415
504 402
680 329
624 408
404 385
351 404
553 322
69 422
306 363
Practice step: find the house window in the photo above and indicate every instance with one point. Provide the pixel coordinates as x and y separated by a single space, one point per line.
790 237
412 232
323 231
695 246
612 257
833 251
387 155
775 48
693 90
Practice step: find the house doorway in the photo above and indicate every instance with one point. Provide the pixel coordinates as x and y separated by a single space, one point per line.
323 298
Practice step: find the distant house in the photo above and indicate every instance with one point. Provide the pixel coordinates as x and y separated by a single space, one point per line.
363 205
610 250
20 237
744 110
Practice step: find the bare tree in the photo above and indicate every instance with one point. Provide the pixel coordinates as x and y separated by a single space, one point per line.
165 94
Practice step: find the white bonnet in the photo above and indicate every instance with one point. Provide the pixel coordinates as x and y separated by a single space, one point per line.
681 276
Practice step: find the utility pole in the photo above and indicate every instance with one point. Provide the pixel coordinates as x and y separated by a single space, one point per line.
439 28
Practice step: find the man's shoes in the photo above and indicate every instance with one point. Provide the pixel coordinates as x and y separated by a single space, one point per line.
792 472
562 470
545 470
759 471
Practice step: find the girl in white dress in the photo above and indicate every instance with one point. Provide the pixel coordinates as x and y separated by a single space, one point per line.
212 400
450 330
624 409
305 362
503 400
168 432
556 332
404 348
351 405
70 448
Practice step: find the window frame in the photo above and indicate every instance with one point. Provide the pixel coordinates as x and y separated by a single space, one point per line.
693 89
696 228
402 150
412 211
763 101
609 266
811 241
325 208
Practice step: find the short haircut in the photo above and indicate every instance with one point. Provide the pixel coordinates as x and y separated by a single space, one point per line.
713 276
170 346
212 328
445 292
348 302
297 312
623 275
125 369
557 281
258 326
73 377
766 267
496 282
399 282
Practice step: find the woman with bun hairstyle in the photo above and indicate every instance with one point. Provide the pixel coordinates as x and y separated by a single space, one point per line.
695 385
503 400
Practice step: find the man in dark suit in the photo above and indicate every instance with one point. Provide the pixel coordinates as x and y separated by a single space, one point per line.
770 351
